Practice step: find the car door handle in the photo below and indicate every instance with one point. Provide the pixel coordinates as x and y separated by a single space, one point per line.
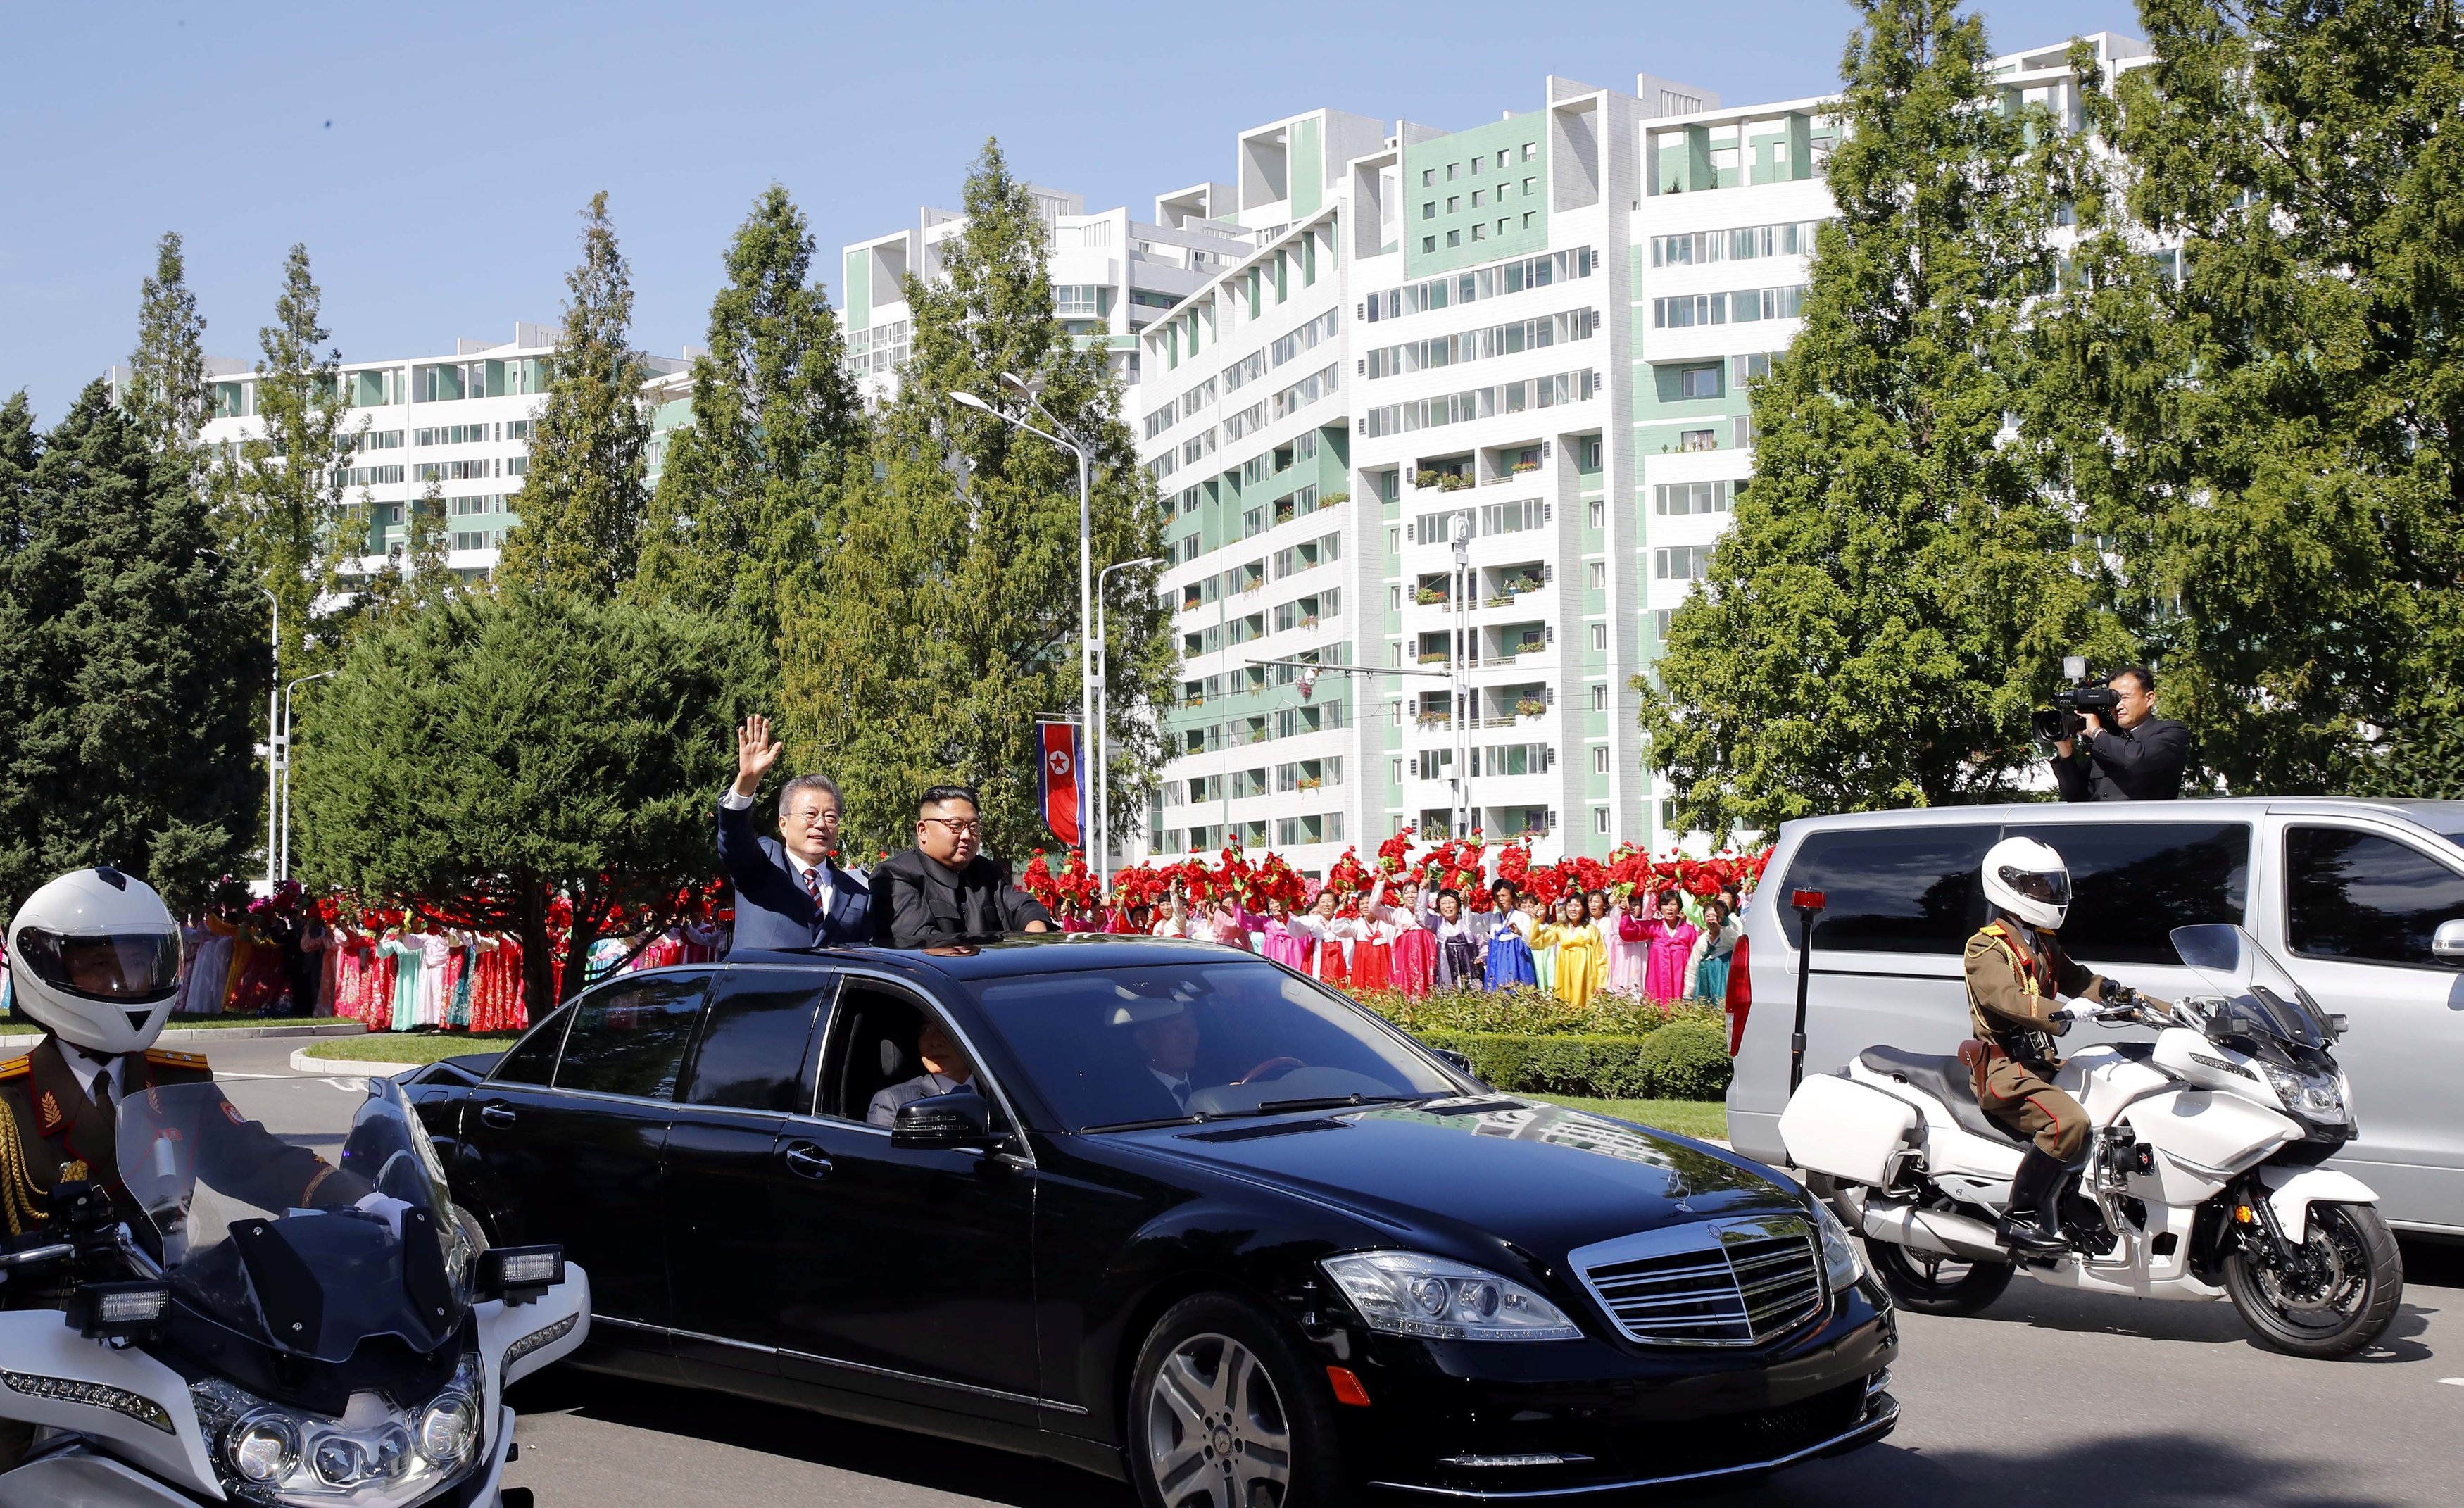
806 1161
496 1114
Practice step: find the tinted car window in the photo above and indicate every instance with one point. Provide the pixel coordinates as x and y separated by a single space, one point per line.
1230 1038
1912 891
533 1059
2356 895
753 1045
630 1037
2133 883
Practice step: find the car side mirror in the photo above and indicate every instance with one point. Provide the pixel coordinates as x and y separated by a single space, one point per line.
1460 1062
2447 944
961 1119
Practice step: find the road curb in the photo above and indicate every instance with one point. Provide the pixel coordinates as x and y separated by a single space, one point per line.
349 1067
25 1040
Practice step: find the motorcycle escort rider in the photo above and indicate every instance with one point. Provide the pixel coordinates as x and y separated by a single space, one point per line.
94 962
2016 970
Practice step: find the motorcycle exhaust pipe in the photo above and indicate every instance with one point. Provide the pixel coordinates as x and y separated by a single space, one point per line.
1935 1231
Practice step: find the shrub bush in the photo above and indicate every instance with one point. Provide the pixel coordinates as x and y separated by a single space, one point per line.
1530 1011
1599 1068
1687 1060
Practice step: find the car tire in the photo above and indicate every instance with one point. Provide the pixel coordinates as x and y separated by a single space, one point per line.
1225 1411
1926 1285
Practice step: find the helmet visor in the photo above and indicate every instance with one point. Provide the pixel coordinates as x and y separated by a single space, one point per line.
129 968
2053 887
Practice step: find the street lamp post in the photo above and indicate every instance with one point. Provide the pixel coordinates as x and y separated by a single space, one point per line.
1102 847
272 744
282 868
1086 550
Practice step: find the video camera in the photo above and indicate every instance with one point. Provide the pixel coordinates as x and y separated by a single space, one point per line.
2084 694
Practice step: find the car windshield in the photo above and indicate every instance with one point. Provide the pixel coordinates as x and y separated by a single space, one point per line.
267 1240
1115 1047
2252 993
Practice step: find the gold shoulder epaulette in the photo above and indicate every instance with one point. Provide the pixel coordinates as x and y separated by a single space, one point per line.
165 1058
16 1067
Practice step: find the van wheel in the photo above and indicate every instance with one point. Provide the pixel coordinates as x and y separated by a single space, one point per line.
1930 1284
1224 1412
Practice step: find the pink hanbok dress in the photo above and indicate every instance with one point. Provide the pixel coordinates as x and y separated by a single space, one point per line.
1283 946
1629 954
1672 952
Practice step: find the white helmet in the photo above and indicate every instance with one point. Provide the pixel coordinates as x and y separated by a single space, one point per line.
2029 880
95 959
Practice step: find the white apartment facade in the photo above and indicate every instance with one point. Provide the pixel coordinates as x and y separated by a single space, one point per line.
1113 274
459 422
1538 333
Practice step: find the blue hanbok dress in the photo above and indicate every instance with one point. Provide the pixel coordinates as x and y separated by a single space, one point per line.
1509 960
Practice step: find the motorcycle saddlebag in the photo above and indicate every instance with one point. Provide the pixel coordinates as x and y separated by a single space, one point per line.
1835 1126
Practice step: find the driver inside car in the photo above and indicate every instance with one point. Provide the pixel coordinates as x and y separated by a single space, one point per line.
1167 1037
947 1070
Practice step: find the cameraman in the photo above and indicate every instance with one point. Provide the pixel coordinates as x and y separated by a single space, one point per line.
2140 758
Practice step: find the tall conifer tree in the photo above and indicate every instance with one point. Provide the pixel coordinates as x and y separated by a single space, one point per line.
946 621
1870 630
745 497
278 500
167 392
583 500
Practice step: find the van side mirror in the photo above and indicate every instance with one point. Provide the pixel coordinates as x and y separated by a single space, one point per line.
957 1120
2447 944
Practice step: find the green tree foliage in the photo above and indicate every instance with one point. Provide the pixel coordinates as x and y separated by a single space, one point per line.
133 661
451 764
746 497
277 502
2267 442
1895 585
947 620
167 393
583 501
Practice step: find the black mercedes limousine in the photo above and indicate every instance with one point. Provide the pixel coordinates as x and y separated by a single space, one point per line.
1165 1210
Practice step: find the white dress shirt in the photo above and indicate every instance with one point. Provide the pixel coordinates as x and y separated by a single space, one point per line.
1179 1087
813 879
85 1066
884 1109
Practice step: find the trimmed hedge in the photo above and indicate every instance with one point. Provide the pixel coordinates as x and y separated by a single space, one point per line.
1665 1064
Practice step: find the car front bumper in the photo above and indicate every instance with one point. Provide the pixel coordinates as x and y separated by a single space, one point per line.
1542 1422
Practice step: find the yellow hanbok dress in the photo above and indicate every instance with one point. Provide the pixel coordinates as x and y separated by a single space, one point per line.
1582 962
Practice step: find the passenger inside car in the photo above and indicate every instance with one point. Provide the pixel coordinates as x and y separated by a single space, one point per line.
946 1071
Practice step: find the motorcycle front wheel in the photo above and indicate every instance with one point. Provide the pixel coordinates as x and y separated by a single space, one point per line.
1930 1284
2338 1298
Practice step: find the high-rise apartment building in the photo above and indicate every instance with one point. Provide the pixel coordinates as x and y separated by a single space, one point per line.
459 422
1113 274
1531 341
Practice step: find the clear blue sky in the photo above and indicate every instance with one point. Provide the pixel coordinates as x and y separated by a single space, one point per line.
433 157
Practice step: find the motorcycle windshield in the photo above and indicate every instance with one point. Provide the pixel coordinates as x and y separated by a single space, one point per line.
2253 993
266 1237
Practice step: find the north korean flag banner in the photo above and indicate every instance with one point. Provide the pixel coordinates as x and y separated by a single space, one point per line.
1064 788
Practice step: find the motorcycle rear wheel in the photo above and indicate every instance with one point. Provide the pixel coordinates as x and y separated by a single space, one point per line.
1929 1284
2348 1297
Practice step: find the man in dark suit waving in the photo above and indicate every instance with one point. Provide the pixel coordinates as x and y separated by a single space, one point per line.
790 894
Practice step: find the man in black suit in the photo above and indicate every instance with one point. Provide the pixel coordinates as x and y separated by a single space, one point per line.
944 890
790 894
2140 758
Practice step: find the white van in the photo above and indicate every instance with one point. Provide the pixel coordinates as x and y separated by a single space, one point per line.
2350 894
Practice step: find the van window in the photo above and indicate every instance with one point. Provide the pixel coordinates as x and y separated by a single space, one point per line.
2351 894
2133 883
1908 891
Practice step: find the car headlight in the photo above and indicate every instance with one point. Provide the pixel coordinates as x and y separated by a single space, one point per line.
2313 1095
1411 1293
1841 1265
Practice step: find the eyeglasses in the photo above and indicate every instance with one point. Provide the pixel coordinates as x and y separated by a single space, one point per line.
959 826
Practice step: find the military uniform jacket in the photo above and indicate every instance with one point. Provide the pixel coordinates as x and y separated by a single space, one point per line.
53 1132
2015 978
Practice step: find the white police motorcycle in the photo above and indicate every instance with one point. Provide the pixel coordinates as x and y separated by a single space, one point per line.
351 1358
2202 1179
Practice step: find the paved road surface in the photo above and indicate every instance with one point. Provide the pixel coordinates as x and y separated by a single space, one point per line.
2051 1398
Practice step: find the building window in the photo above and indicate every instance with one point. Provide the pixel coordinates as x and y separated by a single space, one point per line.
1660 618
1428 243
1599 576
1429 210
1743 436
1478 197
1697 440
1600 760
1684 562
1601 815
1680 498
1601 697
1428 177
1598 513
1599 638
1395 770
1480 232
1698 381
1454 238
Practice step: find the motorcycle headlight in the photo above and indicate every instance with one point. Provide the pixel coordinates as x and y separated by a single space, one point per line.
1411 1293
263 1449
2316 1096
1841 1265
376 1455
447 1428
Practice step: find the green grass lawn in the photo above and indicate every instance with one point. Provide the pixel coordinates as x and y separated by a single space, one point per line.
411 1048
212 1021
1697 1118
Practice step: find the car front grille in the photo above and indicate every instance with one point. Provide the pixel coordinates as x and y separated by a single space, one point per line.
1725 1282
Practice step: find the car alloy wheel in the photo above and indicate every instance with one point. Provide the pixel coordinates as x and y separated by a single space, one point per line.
1216 1432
